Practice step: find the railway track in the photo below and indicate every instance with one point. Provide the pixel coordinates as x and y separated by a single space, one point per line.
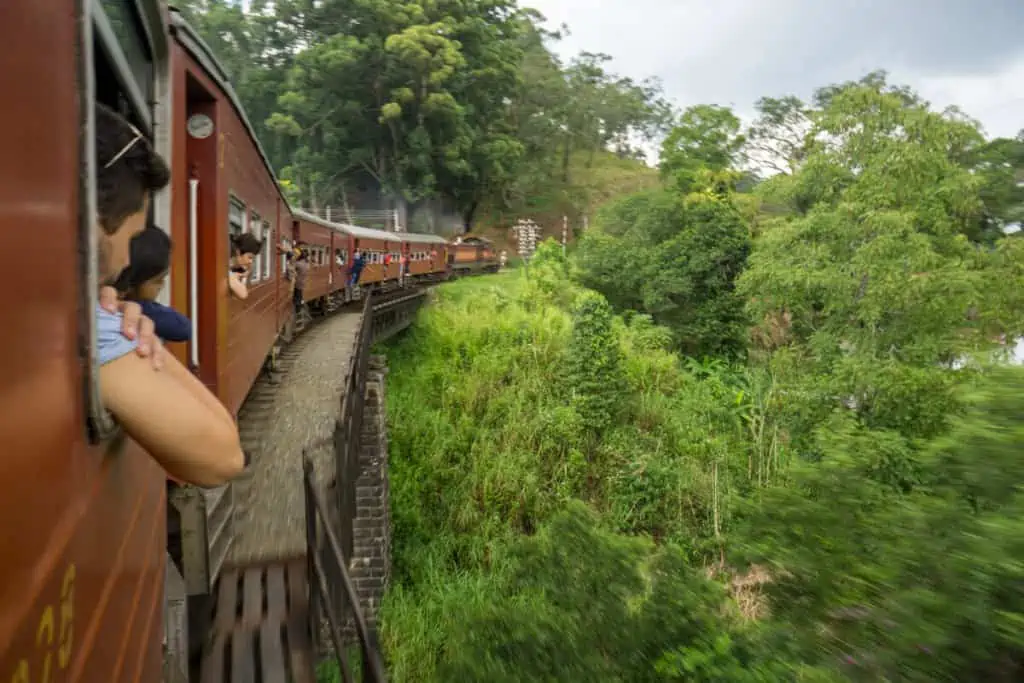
259 519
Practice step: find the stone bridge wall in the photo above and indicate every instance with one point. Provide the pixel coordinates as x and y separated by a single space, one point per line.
370 566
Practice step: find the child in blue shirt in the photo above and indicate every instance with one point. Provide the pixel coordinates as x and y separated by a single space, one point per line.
145 276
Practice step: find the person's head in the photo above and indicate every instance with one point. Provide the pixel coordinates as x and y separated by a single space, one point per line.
244 248
150 262
302 255
128 172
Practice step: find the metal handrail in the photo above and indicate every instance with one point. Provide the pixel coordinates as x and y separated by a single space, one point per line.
372 662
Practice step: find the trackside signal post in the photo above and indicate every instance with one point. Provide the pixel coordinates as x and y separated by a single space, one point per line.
526 237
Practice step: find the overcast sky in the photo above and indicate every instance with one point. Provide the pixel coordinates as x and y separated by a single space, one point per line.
733 51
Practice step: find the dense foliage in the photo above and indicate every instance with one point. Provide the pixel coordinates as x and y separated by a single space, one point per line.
754 429
410 100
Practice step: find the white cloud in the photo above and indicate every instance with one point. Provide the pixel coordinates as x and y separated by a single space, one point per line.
733 51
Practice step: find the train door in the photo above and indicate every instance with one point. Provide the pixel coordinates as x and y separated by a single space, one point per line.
201 140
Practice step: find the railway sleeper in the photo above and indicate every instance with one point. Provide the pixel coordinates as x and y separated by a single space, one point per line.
261 627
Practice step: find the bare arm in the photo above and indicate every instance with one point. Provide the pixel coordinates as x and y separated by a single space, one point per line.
198 389
173 416
236 283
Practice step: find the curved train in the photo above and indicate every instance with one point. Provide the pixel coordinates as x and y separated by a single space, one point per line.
85 544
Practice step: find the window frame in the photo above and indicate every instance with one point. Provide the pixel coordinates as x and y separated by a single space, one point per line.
98 44
267 252
287 244
255 226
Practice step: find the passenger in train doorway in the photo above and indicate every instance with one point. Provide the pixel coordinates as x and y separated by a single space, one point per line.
244 248
143 280
165 409
358 261
301 273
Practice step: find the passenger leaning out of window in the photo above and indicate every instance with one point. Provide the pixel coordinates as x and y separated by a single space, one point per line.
143 280
244 248
166 410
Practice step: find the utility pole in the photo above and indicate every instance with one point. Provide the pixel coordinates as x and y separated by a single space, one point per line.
526 237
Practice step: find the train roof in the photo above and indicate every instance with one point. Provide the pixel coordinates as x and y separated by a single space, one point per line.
198 48
422 237
474 239
369 233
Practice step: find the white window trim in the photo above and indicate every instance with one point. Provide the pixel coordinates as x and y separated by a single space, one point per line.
268 250
256 228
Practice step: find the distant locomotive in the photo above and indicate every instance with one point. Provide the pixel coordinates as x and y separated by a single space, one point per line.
471 254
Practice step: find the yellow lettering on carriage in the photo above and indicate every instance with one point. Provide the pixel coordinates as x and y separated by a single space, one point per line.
53 635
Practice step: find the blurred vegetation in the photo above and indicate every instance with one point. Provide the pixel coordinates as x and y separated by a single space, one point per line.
750 430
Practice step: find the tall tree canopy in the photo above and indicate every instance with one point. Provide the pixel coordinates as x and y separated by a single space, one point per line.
457 99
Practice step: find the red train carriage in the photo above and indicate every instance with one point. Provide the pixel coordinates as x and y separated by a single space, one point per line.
223 185
81 583
473 255
427 254
375 246
318 239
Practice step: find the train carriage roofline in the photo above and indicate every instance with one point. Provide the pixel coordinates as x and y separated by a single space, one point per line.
368 233
201 52
421 237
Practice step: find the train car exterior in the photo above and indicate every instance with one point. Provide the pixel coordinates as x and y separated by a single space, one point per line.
223 185
81 582
473 255
427 254
318 240
375 245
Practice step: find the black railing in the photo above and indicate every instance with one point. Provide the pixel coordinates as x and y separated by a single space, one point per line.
329 528
328 569
348 430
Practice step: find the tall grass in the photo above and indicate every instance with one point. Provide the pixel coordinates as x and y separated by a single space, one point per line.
486 446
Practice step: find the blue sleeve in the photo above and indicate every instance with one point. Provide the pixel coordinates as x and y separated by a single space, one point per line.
170 325
110 343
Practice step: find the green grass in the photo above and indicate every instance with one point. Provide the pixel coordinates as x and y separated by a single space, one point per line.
486 446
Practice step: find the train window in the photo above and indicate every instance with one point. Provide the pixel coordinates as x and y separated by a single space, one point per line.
287 244
236 217
125 81
256 226
118 70
132 38
268 249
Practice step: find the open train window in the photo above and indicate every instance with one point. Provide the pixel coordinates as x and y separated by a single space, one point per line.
123 64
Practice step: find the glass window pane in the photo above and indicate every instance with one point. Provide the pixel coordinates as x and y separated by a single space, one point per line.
131 36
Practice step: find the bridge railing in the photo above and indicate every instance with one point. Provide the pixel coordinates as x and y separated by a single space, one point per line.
328 572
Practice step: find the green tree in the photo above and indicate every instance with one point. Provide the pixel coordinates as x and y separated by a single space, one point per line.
917 586
878 279
706 136
593 364
676 258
